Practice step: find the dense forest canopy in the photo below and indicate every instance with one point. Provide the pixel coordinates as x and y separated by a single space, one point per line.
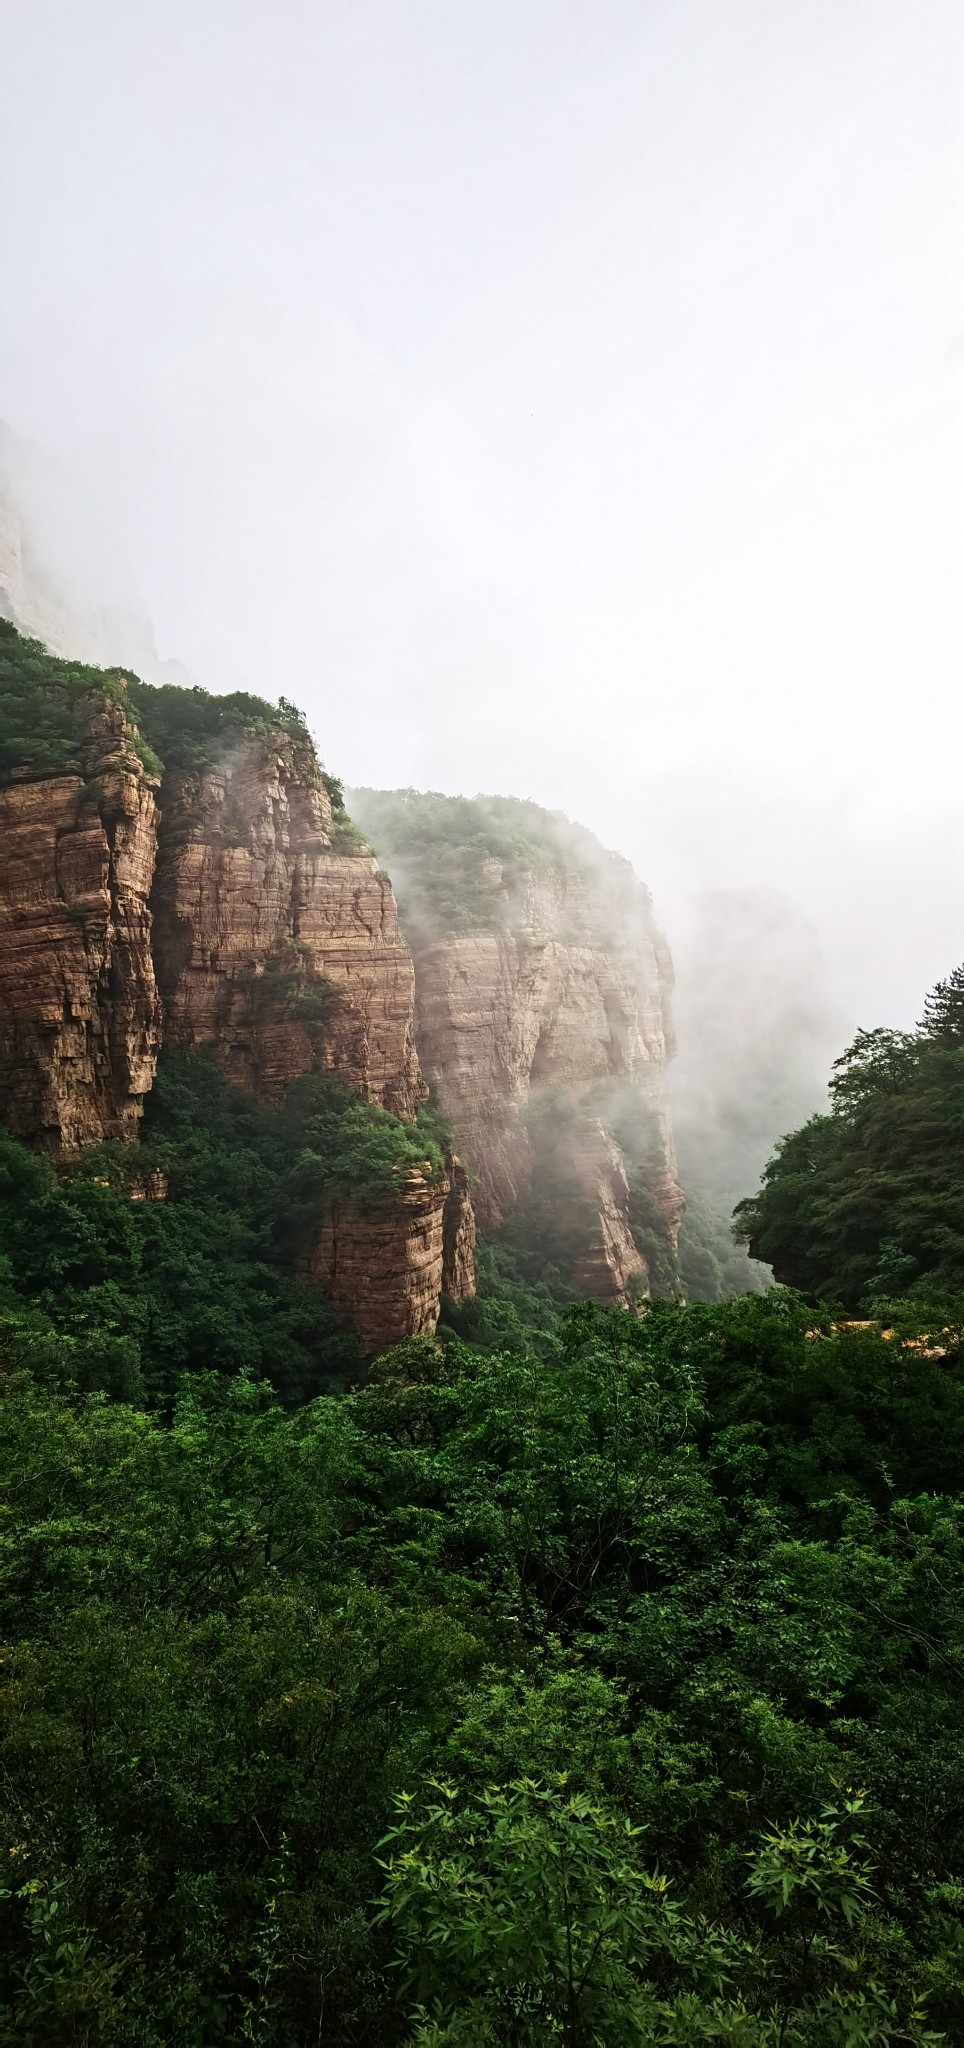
575 1677
604 1688
137 1291
867 1202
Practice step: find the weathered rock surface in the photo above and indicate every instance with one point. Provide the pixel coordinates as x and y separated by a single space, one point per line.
568 997
282 953
383 1269
458 1236
79 1011
272 947
612 1267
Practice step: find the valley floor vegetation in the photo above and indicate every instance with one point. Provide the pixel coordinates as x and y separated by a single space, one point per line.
604 1688
575 1677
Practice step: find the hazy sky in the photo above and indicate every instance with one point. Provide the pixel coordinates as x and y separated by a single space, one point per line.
560 399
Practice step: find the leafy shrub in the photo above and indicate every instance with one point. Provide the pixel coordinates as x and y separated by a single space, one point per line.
191 729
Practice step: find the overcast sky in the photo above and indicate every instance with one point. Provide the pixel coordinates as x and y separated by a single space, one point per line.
558 397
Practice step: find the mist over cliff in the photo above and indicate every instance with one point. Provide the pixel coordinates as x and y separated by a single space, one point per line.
64 574
753 1025
544 1021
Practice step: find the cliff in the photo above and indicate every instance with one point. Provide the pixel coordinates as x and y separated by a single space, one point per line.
543 1021
274 946
385 1271
230 907
178 866
79 1009
277 946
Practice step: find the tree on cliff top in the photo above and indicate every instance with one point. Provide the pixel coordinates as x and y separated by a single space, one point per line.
460 863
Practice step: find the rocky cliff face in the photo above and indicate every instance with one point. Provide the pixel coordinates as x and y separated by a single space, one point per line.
79 1010
279 950
385 1272
235 908
241 914
545 1029
274 947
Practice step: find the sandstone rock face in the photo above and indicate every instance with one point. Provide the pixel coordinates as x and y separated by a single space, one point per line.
283 954
383 1269
567 998
458 1236
612 1268
272 947
79 1011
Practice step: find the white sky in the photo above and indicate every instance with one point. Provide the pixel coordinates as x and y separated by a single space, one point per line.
560 399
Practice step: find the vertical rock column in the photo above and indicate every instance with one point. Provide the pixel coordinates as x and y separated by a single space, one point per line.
255 904
79 1011
568 1000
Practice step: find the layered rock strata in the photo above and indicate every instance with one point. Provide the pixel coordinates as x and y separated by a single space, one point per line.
272 946
275 941
79 1010
281 951
386 1270
559 1002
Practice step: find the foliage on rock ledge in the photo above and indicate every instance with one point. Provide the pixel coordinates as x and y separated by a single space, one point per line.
131 1293
44 705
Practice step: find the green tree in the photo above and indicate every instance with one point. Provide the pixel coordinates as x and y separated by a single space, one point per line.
944 1009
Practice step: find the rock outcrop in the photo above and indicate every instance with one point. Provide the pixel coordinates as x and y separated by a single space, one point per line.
273 947
386 1270
279 950
540 1013
79 1010
235 908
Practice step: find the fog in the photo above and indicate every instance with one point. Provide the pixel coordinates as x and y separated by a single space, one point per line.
758 1029
552 399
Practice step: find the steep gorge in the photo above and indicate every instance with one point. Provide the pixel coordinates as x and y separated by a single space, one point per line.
79 1008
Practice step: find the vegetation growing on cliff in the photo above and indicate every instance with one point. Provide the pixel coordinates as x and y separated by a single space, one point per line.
126 1295
461 863
44 705
867 1202
605 1690
190 728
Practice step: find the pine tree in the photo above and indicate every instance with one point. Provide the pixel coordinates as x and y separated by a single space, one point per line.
944 1009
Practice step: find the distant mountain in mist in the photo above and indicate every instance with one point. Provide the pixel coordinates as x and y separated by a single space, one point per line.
63 580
